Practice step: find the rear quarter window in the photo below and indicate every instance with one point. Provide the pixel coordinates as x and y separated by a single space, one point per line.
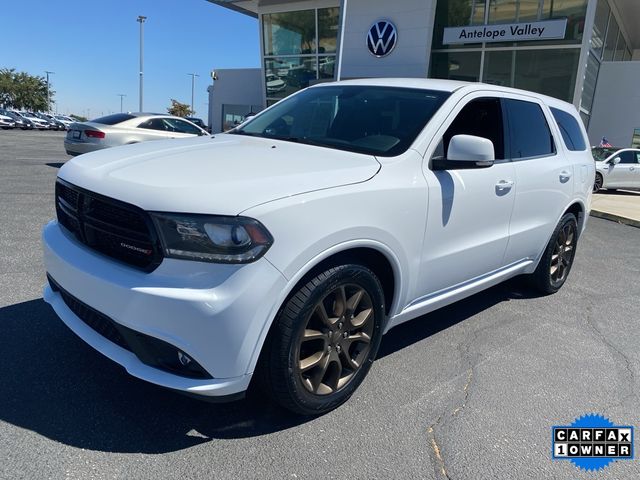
570 130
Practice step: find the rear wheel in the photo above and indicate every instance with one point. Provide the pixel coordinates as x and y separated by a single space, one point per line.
324 340
557 260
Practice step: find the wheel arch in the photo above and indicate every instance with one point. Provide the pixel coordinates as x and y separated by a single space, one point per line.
579 210
373 255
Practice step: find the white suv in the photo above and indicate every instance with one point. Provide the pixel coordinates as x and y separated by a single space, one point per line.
284 249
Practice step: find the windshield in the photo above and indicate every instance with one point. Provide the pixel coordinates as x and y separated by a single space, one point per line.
602 153
374 120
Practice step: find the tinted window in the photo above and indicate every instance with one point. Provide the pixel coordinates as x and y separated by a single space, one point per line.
156 124
181 126
359 118
113 119
627 157
529 133
481 117
571 133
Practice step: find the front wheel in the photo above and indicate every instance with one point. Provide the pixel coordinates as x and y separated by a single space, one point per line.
557 259
324 340
597 184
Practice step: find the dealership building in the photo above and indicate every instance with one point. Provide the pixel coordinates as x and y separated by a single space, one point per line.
586 52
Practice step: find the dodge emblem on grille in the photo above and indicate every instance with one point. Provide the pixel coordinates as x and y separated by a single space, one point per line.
135 249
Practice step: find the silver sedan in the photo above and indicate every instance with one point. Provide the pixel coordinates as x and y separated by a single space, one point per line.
616 168
126 128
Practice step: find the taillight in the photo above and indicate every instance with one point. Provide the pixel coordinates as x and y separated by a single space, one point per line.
94 134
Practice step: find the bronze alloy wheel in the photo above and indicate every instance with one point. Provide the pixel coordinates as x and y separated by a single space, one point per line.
323 340
563 251
556 261
336 340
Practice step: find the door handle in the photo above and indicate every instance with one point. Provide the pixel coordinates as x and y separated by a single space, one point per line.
565 176
504 185
632 169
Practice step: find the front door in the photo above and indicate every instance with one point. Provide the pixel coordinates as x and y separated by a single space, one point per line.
469 210
625 174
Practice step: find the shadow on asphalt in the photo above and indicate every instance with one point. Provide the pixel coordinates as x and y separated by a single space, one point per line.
55 164
417 330
57 386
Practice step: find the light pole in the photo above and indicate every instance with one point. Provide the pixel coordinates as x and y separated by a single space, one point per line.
141 20
48 94
121 95
193 84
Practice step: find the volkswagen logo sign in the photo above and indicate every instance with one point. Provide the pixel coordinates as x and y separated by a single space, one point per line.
382 38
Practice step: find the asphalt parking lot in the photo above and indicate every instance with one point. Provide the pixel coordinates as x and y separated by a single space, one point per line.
468 392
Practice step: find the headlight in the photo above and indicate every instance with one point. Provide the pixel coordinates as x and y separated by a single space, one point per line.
210 238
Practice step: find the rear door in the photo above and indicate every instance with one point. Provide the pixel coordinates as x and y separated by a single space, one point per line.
469 210
543 176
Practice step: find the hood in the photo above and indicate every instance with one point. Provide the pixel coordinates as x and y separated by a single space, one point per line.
224 175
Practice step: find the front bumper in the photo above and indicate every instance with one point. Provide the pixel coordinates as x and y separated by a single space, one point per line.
215 313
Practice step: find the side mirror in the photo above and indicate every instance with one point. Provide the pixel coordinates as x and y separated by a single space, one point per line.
614 161
466 151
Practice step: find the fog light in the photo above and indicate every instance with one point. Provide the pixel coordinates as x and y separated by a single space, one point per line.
183 358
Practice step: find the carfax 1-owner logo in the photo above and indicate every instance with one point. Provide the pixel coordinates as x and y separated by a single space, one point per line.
592 442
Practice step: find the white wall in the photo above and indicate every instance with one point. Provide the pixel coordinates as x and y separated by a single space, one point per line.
616 105
414 23
241 86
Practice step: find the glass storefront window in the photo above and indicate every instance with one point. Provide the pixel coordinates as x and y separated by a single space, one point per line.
600 27
612 38
621 48
287 75
328 24
456 65
457 13
517 11
299 48
510 11
289 33
498 68
550 72
326 66
590 80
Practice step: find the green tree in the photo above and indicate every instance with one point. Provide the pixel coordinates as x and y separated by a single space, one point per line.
23 91
179 109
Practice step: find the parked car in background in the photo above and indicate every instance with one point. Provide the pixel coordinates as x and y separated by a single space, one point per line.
284 250
53 123
59 125
126 128
20 122
67 121
6 122
616 168
198 122
38 123
275 84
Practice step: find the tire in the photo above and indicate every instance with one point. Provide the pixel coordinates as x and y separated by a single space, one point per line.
323 340
598 182
556 262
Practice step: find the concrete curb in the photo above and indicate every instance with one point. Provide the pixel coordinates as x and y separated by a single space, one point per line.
616 218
